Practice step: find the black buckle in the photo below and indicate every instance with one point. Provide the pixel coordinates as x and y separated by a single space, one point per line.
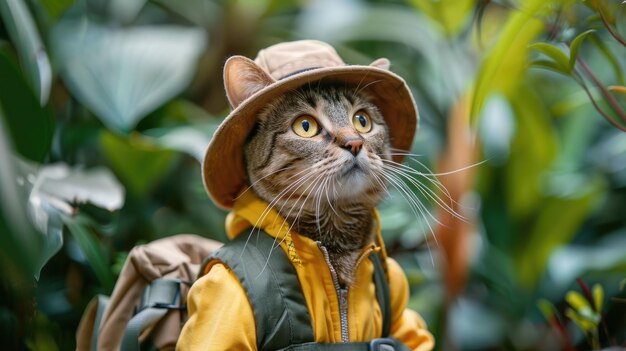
163 293
383 344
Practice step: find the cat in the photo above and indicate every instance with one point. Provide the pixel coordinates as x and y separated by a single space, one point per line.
317 156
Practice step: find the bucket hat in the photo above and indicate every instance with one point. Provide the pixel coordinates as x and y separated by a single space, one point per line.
278 69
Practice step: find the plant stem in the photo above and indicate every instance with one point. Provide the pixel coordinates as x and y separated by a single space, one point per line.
597 107
610 29
609 98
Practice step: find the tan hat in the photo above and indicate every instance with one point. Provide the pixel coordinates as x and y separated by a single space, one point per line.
251 85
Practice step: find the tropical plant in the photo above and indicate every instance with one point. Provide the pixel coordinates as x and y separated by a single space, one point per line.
106 108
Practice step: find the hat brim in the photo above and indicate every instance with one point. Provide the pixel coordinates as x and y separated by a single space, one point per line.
223 169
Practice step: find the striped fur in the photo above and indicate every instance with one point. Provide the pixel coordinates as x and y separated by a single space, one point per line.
322 189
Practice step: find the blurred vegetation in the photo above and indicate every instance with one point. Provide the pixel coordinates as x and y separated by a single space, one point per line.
106 107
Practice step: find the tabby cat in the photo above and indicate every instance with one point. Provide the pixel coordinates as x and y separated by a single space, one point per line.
317 156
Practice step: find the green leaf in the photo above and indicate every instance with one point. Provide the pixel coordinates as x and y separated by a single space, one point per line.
23 32
123 73
577 300
575 46
556 54
125 11
29 126
550 65
20 244
52 229
547 309
507 57
533 149
585 325
64 187
622 285
139 164
78 227
598 297
452 15
191 139
199 12
52 10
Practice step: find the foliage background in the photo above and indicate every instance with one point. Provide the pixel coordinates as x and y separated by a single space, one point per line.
107 105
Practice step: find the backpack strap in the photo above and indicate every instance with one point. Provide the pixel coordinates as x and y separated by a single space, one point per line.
382 292
159 297
273 289
101 302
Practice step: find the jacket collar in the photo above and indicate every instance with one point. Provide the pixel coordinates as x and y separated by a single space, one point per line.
251 211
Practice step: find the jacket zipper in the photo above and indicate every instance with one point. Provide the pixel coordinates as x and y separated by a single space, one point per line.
342 296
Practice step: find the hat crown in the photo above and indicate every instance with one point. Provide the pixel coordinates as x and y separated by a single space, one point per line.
285 59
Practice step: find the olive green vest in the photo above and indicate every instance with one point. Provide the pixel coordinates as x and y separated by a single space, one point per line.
280 310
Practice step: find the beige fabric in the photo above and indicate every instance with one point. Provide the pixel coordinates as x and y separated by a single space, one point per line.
177 256
292 65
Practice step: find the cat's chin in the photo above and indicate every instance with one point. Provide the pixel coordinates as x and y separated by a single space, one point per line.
352 183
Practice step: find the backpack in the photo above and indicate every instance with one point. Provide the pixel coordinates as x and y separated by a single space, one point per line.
147 308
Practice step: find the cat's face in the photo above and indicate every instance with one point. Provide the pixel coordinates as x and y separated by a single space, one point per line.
318 146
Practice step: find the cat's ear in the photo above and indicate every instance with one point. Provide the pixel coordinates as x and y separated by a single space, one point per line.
243 78
382 63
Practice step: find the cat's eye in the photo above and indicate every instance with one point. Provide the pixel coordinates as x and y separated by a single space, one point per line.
305 126
362 122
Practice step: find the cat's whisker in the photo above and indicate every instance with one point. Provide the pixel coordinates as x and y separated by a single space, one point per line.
321 169
356 90
421 188
292 187
327 199
381 183
430 177
410 196
367 85
318 201
433 180
424 190
269 175
275 244
415 207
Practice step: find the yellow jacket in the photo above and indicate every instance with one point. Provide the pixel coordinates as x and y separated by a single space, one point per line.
221 318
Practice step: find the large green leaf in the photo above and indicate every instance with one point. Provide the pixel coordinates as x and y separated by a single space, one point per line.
139 164
88 243
29 126
559 219
55 191
125 11
23 32
122 74
532 152
452 15
20 244
506 60
58 183
199 12
192 139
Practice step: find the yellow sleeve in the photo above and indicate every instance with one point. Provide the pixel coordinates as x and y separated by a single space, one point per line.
407 326
220 315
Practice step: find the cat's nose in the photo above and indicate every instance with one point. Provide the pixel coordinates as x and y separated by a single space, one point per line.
354 146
